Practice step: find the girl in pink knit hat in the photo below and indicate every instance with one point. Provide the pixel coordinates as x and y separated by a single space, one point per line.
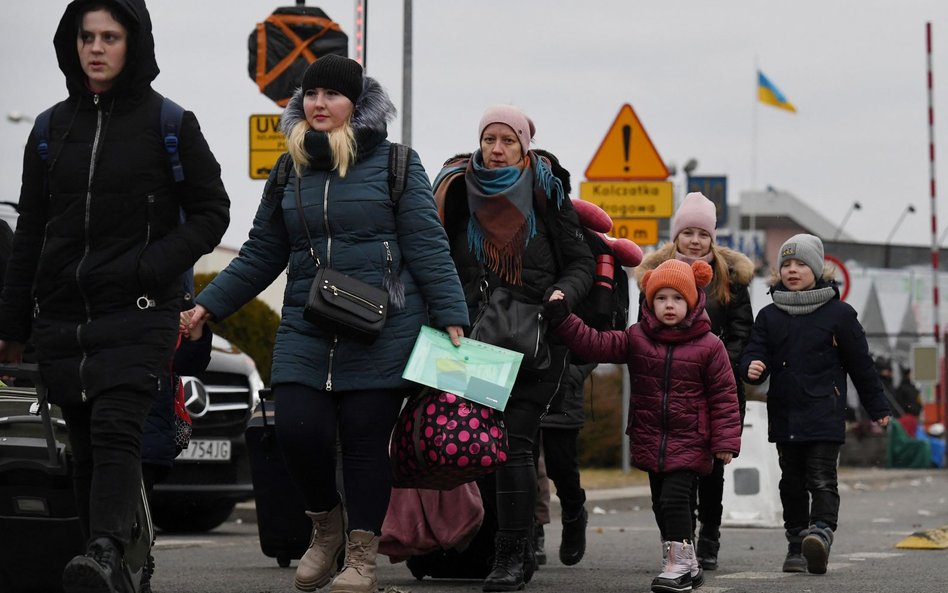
694 238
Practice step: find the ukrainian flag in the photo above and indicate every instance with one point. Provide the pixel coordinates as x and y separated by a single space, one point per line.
771 95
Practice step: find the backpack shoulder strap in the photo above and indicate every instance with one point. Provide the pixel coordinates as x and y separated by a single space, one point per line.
282 168
398 157
41 126
171 116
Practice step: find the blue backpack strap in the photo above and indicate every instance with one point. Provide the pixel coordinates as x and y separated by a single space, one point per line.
41 127
171 116
398 157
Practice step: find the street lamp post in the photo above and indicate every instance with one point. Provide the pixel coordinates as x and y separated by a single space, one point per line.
839 229
888 240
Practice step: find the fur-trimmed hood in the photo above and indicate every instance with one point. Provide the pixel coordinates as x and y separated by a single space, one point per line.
740 266
373 111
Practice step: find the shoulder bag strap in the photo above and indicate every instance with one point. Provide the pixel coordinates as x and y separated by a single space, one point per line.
299 210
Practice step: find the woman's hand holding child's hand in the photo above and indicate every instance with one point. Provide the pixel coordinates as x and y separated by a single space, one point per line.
724 456
184 326
556 309
883 422
755 370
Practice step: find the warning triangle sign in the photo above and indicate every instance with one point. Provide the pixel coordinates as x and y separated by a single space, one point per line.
626 152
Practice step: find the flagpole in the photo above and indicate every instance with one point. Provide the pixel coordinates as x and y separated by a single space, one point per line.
754 140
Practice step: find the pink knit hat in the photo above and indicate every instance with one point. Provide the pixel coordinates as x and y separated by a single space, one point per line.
513 117
695 211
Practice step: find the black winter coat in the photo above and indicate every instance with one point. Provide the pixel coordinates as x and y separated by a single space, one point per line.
99 228
557 256
807 358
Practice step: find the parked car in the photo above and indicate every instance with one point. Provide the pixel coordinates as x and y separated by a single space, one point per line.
213 474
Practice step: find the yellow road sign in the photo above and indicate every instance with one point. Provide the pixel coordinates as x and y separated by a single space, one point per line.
626 152
267 143
641 230
630 199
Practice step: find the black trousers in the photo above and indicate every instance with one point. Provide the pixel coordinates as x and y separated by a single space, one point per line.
105 434
808 487
562 468
308 421
709 491
517 479
671 503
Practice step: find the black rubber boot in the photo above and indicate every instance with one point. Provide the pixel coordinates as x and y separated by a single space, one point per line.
539 545
573 543
509 556
100 570
709 542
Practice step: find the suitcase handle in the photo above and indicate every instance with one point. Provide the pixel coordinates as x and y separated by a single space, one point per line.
31 370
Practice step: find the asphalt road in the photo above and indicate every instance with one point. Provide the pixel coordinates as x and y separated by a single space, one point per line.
623 552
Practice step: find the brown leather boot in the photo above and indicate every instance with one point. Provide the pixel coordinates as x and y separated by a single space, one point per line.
358 576
319 563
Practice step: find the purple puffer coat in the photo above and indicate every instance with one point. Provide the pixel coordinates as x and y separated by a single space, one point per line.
683 401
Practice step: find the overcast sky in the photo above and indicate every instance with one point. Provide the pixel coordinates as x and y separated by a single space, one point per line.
855 69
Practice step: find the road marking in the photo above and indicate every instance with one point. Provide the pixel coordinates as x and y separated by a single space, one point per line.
173 544
861 556
754 576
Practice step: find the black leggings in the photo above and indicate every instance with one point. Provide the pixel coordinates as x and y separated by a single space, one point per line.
307 423
517 479
671 503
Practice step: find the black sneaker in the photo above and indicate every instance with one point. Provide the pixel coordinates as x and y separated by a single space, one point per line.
573 543
100 570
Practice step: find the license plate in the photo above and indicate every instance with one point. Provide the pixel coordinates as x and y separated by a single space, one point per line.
206 450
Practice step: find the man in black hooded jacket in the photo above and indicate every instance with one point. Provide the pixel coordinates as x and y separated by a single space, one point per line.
94 277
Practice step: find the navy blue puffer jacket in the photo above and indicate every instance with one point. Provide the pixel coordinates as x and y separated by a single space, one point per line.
807 358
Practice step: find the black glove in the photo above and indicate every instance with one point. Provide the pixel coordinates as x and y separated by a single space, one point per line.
556 312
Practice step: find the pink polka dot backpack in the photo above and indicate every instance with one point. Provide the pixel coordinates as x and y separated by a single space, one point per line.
442 440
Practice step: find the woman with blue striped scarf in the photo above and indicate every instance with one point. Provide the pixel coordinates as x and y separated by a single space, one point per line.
511 225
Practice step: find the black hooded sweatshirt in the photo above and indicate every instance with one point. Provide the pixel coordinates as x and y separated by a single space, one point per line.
99 225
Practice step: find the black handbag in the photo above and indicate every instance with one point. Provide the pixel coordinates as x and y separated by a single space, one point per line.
512 321
339 303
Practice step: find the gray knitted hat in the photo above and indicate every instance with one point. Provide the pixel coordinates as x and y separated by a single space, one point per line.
806 248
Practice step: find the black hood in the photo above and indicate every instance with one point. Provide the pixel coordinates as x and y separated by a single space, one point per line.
140 65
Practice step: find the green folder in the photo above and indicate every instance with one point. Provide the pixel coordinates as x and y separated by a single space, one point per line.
474 370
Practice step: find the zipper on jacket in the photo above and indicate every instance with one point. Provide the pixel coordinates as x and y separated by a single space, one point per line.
536 347
85 253
143 301
326 222
332 354
666 389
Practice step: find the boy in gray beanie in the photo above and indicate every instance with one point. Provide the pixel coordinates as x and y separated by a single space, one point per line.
806 248
806 342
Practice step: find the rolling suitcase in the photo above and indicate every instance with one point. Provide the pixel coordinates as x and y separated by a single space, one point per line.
282 523
38 520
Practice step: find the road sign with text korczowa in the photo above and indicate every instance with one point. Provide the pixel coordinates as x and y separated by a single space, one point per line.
644 231
626 152
267 143
630 199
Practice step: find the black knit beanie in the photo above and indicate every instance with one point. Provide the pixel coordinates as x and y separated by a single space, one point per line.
335 72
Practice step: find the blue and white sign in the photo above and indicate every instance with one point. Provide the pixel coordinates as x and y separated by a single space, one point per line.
715 189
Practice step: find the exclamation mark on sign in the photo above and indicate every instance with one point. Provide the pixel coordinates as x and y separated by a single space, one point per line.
626 141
